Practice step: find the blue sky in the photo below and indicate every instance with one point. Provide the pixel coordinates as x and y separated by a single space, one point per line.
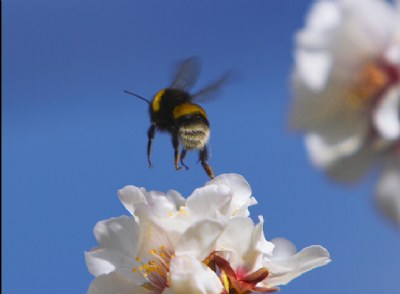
72 138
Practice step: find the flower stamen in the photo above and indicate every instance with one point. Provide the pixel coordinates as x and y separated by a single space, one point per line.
156 269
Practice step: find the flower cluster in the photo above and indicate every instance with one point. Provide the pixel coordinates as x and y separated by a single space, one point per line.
206 243
347 92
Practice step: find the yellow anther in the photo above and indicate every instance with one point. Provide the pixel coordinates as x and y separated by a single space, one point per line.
147 267
134 270
153 251
225 281
138 259
182 210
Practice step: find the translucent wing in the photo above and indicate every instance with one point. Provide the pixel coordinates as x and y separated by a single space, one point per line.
187 73
212 90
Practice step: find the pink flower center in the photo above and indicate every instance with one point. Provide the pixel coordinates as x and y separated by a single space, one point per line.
241 281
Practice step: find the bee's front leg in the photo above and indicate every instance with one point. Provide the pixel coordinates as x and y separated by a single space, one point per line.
183 154
150 136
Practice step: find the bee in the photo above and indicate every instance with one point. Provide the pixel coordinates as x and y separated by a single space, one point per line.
173 110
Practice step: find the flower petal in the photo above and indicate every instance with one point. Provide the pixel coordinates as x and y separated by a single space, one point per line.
284 270
130 196
240 191
350 169
324 153
387 115
388 192
235 182
236 239
156 203
200 239
114 283
244 243
313 68
283 248
207 200
120 234
189 275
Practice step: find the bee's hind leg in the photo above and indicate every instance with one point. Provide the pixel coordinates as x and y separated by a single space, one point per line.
203 156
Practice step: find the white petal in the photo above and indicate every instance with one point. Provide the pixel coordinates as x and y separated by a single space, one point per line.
368 26
313 68
153 236
120 234
392 54
156 203
324 149
244 243
235 182
328 109
176 198
352 168
113 284
240 191
188 275
387 114
130 196
259 242
324 17
98 266
105 261
205 201
388 192
236 239
283 249
200 239
285 270
118 238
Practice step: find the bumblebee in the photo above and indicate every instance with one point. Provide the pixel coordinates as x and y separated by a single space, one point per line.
173 110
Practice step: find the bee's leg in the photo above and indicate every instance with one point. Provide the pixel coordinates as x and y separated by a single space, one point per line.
183 154
203 156
150 136
175 143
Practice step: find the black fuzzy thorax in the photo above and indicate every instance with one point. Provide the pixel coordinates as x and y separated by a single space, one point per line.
163 118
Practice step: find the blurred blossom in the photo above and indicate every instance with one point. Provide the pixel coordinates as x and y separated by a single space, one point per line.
206 243
347 92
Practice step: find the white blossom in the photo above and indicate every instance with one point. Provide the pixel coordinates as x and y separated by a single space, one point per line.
204 244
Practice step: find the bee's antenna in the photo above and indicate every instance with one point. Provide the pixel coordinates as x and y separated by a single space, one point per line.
138 96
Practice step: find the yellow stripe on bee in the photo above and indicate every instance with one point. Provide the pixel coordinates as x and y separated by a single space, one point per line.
188 108
157 100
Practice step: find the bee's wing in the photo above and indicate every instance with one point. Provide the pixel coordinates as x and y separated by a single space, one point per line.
211 91
187 73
